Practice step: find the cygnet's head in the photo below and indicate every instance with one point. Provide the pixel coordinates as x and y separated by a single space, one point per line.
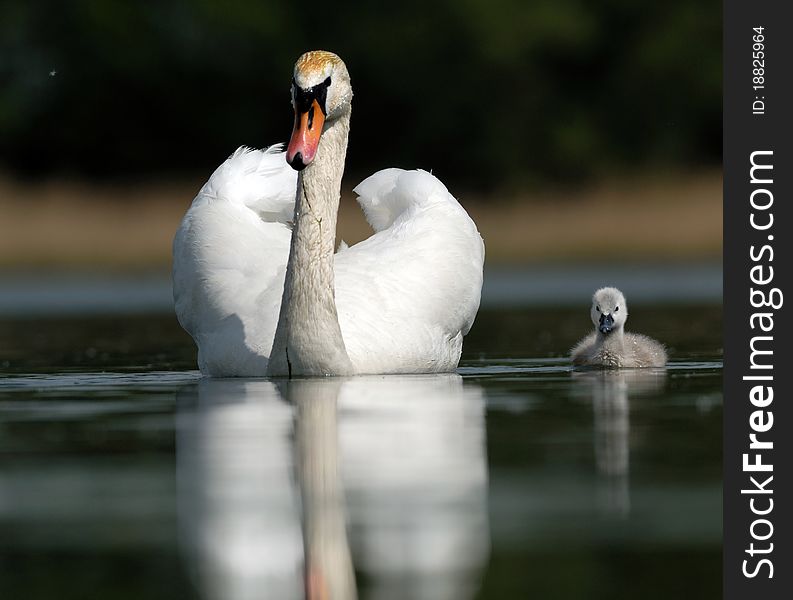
609 310
321 92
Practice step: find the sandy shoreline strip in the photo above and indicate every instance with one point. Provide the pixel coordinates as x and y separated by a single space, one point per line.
73 224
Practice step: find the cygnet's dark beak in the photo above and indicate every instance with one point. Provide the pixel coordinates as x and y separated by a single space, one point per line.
606 323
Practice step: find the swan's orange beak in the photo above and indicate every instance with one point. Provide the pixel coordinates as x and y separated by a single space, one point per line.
305 136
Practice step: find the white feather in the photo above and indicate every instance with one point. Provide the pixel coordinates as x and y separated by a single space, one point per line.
408 294
405 296
230 255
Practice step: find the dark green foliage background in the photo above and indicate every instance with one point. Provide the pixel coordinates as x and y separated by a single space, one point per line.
487 93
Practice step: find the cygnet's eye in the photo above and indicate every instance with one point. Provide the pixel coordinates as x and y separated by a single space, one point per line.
597 308
616 309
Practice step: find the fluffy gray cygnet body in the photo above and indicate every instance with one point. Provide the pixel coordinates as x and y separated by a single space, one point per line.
609 345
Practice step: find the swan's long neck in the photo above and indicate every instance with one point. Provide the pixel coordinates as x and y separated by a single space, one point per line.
308 338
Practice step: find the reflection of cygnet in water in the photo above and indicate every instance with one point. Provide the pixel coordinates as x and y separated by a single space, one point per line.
610 392
287 492
609 345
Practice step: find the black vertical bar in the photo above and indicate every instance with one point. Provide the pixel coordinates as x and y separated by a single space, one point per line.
757 120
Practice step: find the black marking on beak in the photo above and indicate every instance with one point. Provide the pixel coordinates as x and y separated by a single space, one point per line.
297 162
304 98
606 323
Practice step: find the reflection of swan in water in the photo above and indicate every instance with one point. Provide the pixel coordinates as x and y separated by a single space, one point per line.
610 392
399 460
328 565
415 471
238 510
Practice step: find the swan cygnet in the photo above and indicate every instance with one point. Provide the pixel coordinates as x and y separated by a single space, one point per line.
609 345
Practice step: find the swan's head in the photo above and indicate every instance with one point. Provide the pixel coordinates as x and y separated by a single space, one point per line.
321 92
609 310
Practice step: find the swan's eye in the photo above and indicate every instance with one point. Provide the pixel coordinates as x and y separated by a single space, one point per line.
597 308
616 309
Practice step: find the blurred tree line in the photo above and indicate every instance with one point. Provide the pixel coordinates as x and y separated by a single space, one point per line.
487 93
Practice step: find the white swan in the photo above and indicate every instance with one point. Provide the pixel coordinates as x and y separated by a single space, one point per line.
256 281
609 345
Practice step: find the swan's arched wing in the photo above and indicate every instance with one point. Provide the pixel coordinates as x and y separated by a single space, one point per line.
230 255
407 295
258 179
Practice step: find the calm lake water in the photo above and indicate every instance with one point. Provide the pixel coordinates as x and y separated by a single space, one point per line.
123 474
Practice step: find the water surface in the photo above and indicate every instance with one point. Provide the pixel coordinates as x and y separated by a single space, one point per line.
123 474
